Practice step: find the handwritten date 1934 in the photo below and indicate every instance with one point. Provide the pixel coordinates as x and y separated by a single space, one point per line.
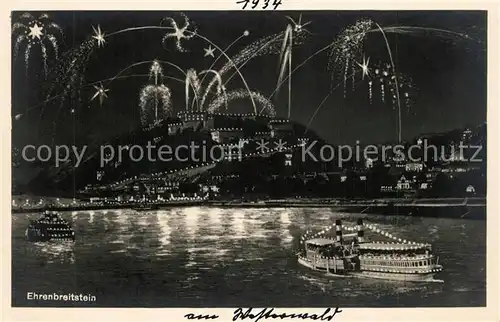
254 3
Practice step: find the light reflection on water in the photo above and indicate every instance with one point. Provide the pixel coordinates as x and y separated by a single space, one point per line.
234 257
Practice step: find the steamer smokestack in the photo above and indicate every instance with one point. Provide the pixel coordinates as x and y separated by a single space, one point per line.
361 231
338 230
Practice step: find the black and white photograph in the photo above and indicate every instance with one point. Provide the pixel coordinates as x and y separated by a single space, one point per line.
257 158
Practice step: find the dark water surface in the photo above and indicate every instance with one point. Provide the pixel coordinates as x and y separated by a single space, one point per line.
192 257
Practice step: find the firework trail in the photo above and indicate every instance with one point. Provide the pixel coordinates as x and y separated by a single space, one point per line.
30 31
44 58
192 81
324 101
27 54
286 61
265 46
428 32
69 75
68 78
285 54
287 42
179 33
148 102
242 94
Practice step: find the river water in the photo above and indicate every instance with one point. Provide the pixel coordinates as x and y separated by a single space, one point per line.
208 257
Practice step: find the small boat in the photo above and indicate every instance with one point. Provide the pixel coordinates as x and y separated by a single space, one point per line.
353 255
49 227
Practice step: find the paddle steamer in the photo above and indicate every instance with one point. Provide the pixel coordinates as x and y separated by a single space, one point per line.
352 255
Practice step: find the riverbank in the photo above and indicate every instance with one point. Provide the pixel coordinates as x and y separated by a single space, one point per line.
468 208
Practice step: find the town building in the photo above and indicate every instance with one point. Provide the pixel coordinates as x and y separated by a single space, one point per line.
414 167
193 120
226 135
403 184
174 128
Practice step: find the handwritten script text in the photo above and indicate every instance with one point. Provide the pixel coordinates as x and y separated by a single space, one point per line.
269 313
191 316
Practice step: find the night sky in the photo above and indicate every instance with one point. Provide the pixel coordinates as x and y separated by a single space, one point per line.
450 75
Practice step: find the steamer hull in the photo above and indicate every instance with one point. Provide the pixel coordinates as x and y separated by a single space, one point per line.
427 277
332 266
343 271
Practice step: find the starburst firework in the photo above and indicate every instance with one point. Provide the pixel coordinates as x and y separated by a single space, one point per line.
101 93
98 36
30 31
179 33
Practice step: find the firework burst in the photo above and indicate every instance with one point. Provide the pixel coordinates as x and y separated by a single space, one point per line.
41 32
155 100
383 83
99 36
151 97
347 49
298 26
179 33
